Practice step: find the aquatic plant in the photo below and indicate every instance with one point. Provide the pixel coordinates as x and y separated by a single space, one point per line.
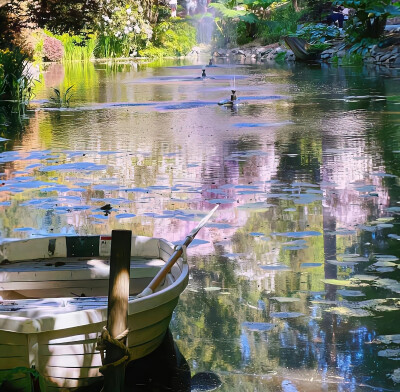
17 81
53 49
62 99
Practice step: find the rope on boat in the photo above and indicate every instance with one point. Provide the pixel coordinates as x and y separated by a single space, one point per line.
104 338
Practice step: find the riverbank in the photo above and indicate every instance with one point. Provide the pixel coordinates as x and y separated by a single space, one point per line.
386 52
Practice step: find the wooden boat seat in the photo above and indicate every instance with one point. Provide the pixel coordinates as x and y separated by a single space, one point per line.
64 277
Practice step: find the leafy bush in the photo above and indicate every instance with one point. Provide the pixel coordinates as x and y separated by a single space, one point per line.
171 38
370 17
319 32
282 20
53 49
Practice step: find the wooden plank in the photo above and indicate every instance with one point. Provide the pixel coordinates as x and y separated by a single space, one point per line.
65 288
36 248
73 270
135 338
13 338
13 362
7 350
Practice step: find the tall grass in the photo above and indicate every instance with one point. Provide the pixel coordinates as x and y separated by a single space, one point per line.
111 47
76 47
16 83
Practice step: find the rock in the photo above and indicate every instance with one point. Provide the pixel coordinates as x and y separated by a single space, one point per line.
384 57
341 53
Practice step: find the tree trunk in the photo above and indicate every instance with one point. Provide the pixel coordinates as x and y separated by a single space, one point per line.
295 5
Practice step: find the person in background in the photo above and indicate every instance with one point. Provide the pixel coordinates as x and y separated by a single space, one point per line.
173 5
336 16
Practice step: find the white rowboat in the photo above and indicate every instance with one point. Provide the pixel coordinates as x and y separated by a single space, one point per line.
53 305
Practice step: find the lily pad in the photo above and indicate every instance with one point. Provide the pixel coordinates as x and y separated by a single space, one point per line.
349 312
337 282
275 267
212 288
310 265
286 314
395 376
389 339
389 353
261 327
351 293
285 299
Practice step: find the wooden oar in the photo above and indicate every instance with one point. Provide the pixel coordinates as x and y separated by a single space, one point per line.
175 256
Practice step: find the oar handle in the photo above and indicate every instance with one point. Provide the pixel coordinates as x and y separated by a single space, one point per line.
152 286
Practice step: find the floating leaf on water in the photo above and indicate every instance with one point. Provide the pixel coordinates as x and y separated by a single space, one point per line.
389 284
251 326
256 234
275 267
2 139
342 263
310 265
286 314
295 242
365 277
212 288
298 234
265 239
389 353
384 225
384 264
385 308
394 236
337 282
355 259
393 209
351 293
219 225
344 311
300 247
386 258
73 167
221 201
290 210
124 216
389 339
258 206
285 299
224 293
396 374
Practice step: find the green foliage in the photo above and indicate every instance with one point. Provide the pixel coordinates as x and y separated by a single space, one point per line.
16 83
318 47
282 21
314 33
370 17
78 48
174 37
60 99
280 57
352 59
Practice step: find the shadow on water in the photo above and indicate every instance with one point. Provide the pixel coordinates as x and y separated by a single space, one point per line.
165 369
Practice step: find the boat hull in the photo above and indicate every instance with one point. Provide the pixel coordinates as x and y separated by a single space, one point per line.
61 345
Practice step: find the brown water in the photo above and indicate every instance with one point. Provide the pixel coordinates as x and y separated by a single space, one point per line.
306 170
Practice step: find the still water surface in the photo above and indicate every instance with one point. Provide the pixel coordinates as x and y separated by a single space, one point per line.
295 283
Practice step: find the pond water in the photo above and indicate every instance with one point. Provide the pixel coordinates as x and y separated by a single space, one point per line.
295 284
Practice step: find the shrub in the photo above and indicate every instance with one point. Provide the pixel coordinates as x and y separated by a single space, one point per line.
171 38
53 49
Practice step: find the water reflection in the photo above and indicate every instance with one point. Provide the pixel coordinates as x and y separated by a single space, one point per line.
309 191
